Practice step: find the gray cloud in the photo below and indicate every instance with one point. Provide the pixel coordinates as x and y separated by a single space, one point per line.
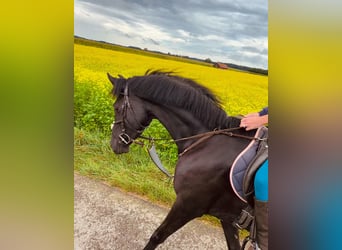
228 31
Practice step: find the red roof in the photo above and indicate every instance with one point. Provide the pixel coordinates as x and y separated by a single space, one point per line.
220 65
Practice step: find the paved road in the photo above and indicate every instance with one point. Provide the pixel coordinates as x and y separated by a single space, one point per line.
108 218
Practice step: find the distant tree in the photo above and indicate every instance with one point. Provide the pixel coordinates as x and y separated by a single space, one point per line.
208 60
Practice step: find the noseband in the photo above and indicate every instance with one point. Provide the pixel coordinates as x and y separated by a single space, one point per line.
124 138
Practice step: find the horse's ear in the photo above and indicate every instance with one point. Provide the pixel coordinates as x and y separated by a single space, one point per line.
111 79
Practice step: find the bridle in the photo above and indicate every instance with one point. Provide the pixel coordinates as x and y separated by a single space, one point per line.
124 138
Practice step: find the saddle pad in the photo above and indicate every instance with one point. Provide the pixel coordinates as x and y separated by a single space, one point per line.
241 163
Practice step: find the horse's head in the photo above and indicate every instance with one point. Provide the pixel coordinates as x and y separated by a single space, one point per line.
131 116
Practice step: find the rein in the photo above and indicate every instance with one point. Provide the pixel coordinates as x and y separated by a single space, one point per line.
202 137
205 135
126 139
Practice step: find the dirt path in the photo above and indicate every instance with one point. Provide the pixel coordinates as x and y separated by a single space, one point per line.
107 218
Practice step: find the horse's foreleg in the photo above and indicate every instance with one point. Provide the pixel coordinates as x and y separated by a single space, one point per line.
177 217
231 234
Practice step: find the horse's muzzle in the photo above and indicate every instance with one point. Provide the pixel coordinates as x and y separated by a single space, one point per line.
119 148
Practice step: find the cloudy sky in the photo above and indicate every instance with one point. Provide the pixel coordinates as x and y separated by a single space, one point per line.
222 30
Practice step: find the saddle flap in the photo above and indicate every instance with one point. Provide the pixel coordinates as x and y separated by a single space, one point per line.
242 162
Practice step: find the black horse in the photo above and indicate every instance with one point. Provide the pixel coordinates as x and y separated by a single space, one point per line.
186 109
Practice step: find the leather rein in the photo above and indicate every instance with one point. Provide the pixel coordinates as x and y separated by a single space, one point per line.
126 139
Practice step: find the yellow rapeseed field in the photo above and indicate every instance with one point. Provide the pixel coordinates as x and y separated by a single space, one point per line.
239 92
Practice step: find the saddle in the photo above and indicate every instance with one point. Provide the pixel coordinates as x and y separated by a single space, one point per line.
242 179
246 164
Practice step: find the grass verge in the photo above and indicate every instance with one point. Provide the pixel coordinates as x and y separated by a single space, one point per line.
133 172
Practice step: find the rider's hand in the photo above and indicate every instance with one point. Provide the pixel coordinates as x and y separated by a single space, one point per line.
253 121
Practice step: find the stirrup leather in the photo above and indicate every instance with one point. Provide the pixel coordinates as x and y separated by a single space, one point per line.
245 219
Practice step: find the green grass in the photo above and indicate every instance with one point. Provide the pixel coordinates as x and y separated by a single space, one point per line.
133 172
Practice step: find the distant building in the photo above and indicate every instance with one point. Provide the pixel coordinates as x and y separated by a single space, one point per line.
220 65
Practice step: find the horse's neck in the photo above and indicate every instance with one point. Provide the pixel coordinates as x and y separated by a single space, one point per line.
180 124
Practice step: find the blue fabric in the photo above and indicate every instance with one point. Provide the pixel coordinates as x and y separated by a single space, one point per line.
264 111
261 182
322 215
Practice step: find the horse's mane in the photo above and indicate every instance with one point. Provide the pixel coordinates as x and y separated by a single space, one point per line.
166 88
